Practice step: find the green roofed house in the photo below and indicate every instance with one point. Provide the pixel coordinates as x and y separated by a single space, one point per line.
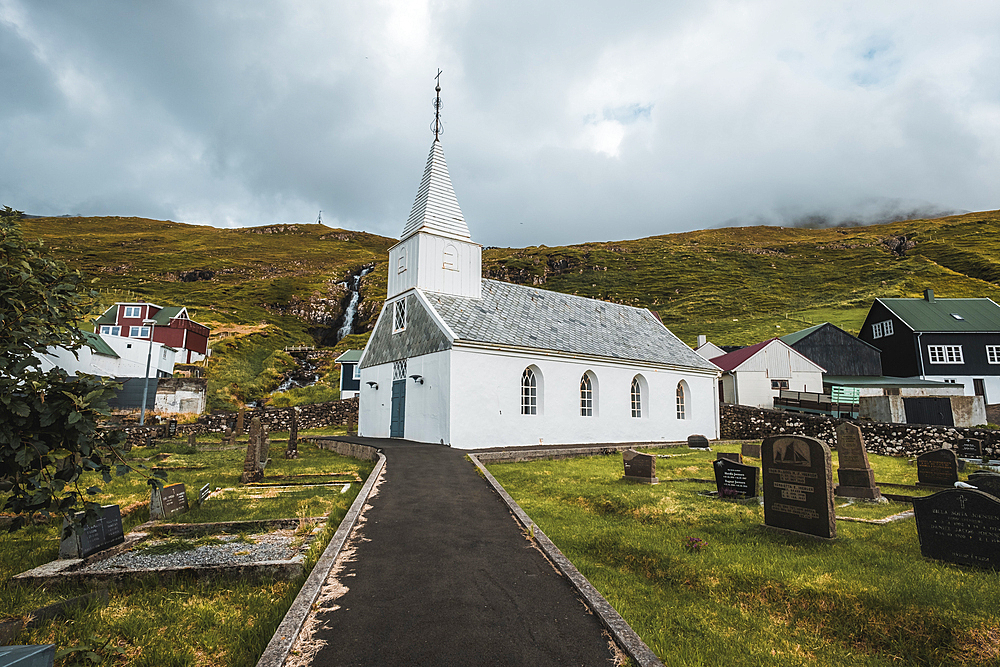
350 373
954 341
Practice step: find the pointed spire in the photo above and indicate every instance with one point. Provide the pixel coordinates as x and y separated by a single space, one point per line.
436 209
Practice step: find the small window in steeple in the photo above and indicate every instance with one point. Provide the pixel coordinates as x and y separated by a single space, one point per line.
401 262
450 262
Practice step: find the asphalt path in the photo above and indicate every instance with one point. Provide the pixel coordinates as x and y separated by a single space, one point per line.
443 575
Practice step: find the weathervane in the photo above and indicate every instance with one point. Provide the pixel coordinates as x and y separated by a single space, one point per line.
436 127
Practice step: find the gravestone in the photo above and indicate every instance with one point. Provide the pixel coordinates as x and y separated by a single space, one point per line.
960 526
171 428
750 449
857 480
292 450
979 474
192 440
938 467
639 467
697 441
252 470
239 422
168 501
203 494
102 534
735 479
986 483
228 437
729 456
798 494
969 448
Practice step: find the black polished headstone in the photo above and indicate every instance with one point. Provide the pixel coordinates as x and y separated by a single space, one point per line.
798 495
735 479
697 441
171 428
168 501
969 448
938 467
102 534
639 467
987 483
960 526
750 449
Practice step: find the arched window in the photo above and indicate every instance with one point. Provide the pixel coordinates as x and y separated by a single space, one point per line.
636 397
681 401
529 393
586 396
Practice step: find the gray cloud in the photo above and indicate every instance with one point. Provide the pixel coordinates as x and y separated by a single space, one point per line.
565 122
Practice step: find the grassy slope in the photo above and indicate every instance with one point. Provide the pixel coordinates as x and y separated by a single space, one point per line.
737 285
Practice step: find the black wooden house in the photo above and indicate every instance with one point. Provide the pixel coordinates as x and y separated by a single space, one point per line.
840 353
948 340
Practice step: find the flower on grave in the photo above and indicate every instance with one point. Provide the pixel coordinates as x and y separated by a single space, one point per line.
695 544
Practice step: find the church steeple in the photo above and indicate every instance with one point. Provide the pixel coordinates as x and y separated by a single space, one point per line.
436 251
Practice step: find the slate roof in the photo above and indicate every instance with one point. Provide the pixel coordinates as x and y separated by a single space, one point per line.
528 317
436 208
978 315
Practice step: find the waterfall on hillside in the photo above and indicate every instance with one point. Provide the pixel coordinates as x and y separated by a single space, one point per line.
354 285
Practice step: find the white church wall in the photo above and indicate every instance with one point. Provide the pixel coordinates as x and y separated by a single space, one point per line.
437 264
426 413
486 402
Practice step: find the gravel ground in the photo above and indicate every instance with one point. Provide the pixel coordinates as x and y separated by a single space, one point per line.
232 551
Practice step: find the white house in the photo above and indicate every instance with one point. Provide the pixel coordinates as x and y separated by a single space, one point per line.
756 375
460 360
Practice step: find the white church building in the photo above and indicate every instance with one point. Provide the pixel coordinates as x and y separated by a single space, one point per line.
469 362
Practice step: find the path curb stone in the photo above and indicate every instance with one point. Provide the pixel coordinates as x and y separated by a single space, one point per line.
288 630
622 632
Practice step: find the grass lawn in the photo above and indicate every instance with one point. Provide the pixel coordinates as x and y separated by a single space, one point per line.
751 596
221 622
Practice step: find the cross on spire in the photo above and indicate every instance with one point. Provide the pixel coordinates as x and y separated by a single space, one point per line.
436 126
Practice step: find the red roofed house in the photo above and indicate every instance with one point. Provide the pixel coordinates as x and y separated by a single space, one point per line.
756 375
172 327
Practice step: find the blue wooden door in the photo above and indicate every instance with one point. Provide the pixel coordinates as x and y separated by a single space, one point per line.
398 409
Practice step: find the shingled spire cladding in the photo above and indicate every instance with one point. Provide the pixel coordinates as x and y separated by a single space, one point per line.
436 209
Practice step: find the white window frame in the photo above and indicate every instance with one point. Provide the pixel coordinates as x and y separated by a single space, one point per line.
111 330
945 354
529 392
399 316
133 312
586 396
993 354
399 370
636 398
880 329
779 387
681 401
138 332
357 372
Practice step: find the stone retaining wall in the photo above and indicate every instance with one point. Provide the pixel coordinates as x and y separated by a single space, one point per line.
317 415
363 452
745 423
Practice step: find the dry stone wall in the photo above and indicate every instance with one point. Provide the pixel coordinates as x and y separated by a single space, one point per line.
739 422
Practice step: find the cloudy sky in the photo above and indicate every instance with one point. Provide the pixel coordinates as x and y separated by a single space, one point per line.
564 121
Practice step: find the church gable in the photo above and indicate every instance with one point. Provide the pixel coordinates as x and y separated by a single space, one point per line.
420 334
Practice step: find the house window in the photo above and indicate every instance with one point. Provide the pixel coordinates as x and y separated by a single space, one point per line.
945 354
529 393
586 396
681 412
779 384
399 370
636 397
357 371
133 311
450 260
993 354
111 331
399 316
880 329
138 332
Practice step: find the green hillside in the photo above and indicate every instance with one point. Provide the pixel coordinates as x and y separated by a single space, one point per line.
279 285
